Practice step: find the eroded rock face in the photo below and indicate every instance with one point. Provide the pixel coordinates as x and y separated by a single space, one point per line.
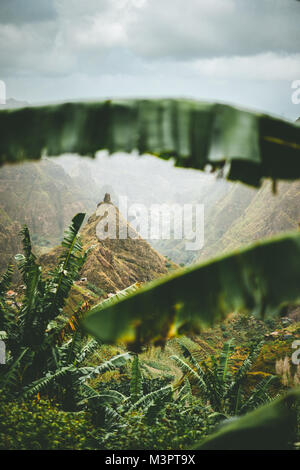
40 195
107 199
114 264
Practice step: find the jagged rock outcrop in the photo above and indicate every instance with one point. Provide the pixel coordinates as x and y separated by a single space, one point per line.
114 264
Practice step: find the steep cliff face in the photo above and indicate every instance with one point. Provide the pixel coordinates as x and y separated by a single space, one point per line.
114 264
245 215
10 243
236 215
42 196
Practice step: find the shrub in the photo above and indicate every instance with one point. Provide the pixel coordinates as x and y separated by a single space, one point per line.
96 290
41 425
178 429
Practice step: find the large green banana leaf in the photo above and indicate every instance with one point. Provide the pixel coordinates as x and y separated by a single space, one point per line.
260 279
197 134
270 427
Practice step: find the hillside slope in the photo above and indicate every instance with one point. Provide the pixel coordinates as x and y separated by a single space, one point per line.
245 215
42 196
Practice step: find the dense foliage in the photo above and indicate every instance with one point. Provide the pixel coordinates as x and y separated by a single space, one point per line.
36 425
49 358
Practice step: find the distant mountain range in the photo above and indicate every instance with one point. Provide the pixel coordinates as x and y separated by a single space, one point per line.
46 195
12 103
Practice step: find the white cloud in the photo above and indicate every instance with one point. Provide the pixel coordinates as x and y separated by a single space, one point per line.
266 66
231 50
199 28
84 34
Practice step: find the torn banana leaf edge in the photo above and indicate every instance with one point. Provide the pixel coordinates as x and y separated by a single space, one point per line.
244 145
261 279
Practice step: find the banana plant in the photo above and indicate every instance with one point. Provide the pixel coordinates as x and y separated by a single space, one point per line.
217 384
112 407
29 343
245 146
68 379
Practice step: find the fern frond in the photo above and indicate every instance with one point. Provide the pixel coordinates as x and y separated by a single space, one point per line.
234 390
88 349
224 360
259 395
10 378
6 280
136 389
188 370
39 385
113 363
160 394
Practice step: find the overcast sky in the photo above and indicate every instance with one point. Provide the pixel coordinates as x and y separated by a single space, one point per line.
245 52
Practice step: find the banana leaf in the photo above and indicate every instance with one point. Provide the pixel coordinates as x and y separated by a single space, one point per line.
247 146
261 279
270 427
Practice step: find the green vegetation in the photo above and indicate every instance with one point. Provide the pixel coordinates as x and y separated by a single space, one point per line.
41 425
201 295
56 361
222 389
212 403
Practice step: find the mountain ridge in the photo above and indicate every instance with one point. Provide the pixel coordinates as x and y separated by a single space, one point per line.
114 264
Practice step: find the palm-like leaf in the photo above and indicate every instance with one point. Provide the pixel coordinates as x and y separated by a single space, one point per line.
87 350
219 386
251 145
190 372
7 317
70 262
41 384
113 363
110 397
146 400
43 302
10 377
114 299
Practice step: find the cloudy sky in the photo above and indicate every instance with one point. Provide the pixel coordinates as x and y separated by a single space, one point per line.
245 52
